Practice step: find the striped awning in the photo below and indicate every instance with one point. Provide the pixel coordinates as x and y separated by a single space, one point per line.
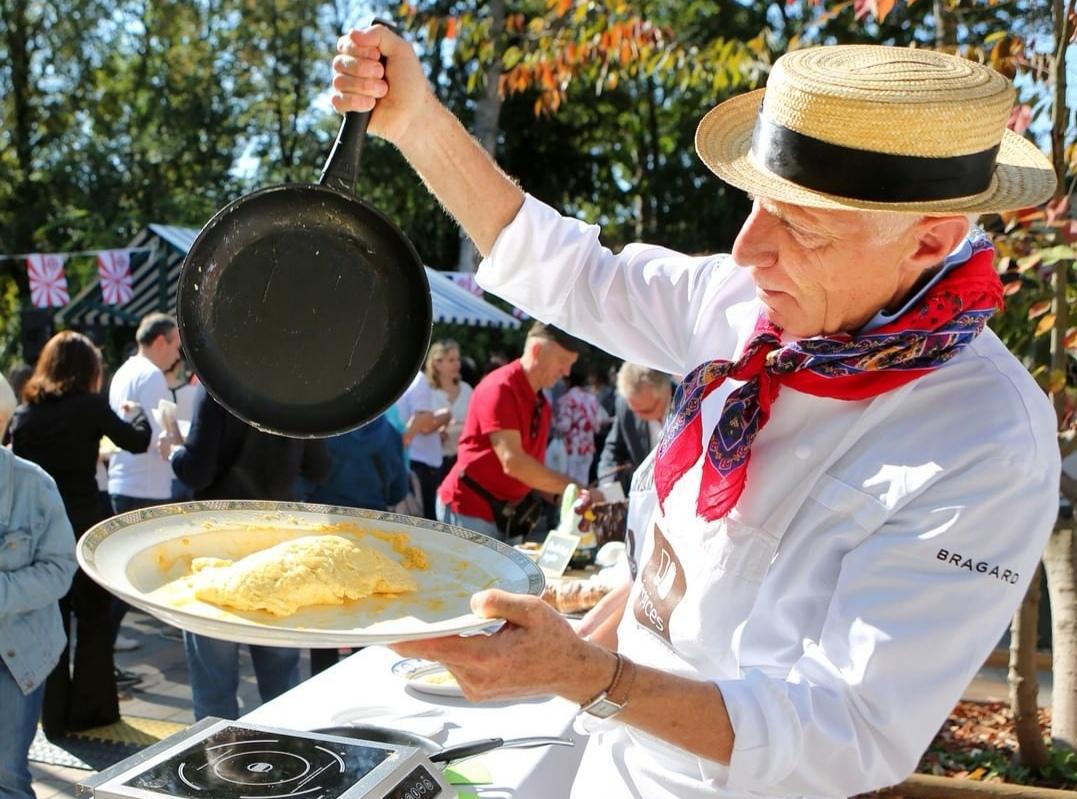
155 274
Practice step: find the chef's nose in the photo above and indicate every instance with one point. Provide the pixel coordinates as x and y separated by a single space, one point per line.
756 244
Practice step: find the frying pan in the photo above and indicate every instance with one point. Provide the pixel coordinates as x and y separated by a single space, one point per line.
434 750
303 310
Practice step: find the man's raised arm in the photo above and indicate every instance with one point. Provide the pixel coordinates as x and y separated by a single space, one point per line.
455 167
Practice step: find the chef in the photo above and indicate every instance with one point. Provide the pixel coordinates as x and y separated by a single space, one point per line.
858 479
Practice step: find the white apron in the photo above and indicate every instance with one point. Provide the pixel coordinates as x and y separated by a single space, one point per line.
696 584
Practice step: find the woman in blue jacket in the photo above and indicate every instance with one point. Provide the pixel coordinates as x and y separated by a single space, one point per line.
37 562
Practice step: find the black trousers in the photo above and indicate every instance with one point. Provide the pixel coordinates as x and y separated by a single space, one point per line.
121 504
429 480
321 659
86 696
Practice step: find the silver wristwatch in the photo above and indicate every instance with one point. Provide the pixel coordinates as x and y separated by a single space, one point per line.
614 699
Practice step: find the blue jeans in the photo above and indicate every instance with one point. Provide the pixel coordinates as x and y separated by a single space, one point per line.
18 722
447 515
214 670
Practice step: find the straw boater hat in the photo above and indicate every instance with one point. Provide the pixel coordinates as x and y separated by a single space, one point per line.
877 128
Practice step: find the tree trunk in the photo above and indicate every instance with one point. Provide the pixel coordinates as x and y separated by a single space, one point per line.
18 39
945 27
1060 561
1059 118
654 228
487 111
1059 556
1024 687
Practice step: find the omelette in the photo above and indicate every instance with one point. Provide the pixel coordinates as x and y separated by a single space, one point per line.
310 570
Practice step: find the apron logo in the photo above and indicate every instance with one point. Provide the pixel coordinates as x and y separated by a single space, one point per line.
662 587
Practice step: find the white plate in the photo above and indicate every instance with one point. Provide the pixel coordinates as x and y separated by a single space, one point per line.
427 677
135 554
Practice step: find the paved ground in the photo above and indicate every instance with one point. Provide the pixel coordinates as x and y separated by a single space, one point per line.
165 695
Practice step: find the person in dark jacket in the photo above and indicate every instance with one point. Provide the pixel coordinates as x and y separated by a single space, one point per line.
643 401
367 471
225 458
60 427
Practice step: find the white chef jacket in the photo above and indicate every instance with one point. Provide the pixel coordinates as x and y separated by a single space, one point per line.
874 559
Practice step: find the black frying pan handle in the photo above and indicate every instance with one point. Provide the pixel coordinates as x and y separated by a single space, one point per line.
341 169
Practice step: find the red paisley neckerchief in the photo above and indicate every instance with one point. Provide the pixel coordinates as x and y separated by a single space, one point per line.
847 367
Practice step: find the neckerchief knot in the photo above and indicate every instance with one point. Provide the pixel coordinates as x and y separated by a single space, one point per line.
945 320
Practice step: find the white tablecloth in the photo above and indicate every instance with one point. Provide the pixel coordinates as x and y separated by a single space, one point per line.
362 688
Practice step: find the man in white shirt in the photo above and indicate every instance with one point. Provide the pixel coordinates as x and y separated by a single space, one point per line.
137 481
140 481
856 472
422 437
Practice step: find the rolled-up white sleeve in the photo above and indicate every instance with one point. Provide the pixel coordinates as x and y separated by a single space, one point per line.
918 606
646 304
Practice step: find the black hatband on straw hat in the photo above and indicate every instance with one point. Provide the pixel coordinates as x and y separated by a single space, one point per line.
865 174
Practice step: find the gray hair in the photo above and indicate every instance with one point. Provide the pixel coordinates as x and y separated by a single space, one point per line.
7 403
154 325
631 377
888 225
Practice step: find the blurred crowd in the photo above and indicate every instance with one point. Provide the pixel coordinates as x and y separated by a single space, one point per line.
489 448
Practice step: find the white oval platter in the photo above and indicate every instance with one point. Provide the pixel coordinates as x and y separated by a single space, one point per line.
142 557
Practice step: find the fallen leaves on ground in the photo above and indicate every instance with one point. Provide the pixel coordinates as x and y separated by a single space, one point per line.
978 742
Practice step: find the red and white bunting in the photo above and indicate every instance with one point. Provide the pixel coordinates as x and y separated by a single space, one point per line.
114 268
48 285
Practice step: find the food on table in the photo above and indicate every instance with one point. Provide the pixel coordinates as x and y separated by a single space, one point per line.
440 677
573 596
309 570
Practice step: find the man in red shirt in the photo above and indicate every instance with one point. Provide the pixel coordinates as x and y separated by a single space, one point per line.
503 444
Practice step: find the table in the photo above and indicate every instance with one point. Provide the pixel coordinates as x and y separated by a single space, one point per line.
363 688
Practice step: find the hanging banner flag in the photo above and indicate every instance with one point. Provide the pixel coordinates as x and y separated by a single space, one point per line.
114 267
48 285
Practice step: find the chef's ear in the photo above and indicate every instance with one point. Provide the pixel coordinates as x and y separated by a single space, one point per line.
937 237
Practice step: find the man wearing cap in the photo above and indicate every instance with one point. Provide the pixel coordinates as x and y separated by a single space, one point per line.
857 480
501 455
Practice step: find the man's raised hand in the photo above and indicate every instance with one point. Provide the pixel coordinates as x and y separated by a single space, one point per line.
397 91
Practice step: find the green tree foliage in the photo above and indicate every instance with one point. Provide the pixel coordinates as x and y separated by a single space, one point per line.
601 100
124 113
121 114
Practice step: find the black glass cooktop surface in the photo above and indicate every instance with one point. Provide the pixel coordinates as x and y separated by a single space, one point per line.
241 763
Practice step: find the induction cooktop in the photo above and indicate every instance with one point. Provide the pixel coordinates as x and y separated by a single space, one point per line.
219 759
